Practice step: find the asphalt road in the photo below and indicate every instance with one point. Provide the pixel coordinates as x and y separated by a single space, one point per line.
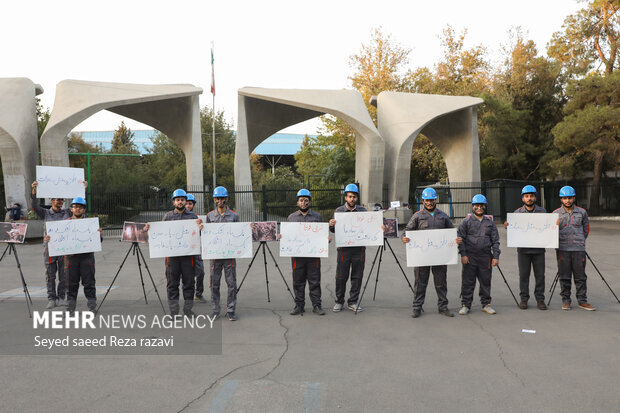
376 361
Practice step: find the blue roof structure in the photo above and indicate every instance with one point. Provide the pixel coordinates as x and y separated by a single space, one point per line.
281 144
276 144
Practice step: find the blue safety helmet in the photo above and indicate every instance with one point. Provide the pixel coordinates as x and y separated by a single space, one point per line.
179 193
528 189
567 191
352 188
78 200
220 192
479 199
429 193
191 197
304 192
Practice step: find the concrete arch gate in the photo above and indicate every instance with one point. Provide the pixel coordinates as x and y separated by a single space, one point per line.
19 144
263 112
171 109
383 156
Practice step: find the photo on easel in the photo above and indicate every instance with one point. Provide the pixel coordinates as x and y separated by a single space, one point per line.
13 232
391 227
135 232
264 231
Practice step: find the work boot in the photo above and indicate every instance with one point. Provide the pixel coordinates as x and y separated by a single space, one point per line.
416 313
566 306
464 310
174 307
50 304
318 310
297 310
200 299
488 309
542 305
232 316
446 312
587 306
92 305
337 308
523 305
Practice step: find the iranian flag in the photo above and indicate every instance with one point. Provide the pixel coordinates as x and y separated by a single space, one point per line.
212 72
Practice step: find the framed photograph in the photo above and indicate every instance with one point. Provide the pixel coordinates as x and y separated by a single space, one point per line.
391 227
265 231
13 232
134 232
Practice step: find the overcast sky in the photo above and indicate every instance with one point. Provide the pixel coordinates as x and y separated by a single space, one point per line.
274 44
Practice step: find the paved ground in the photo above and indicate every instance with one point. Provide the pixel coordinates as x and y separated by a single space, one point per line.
380 360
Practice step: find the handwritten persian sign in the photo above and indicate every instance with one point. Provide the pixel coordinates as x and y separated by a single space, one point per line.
533 230
59 182
73 236
174 238
304 239
226 240
357 229
432 247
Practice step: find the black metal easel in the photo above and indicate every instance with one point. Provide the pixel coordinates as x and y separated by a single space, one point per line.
11 248
263 245
135 250
380 255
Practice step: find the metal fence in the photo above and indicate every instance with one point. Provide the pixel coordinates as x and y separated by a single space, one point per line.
267 203
505 196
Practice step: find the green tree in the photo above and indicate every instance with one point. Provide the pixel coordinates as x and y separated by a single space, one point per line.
224 148
43 116
519 113
76 144
122 141
165 163
590 129
589 39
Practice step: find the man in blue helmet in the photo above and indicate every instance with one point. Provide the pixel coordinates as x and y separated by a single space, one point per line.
199 267
80 266
306 268
180 269
531 257
574 229
429 217
479 251
349 258
223 214
55 296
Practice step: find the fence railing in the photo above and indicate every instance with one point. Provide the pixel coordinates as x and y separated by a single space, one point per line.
267 203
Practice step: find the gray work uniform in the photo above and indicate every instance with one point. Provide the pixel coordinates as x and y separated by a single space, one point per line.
229 265
574 229
52 264
349 259
424 220
180 269
481 245
306 268
528 258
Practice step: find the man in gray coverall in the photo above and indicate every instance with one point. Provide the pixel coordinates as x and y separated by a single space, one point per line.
306 268
429 218
223 214
574 229
530 257
479 251
53 264
180 268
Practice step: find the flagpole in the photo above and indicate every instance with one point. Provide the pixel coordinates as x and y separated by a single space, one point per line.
213 111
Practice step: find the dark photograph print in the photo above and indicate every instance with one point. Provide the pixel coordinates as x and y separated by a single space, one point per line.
264 231
12 232
135 232
391 227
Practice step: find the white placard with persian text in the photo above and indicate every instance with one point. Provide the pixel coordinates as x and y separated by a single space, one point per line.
174 238
432 247
73 236
532 230
226 240
304 239
59 182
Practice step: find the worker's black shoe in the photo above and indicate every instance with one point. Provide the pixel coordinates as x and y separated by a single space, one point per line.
297 310
416 313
